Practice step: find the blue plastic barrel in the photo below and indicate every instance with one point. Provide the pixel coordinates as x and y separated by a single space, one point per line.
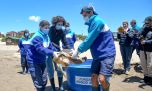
79 76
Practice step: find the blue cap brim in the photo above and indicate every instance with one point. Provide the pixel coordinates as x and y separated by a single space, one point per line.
95 13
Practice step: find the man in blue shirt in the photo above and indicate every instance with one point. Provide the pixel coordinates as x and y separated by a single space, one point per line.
23 46
101 44
135 42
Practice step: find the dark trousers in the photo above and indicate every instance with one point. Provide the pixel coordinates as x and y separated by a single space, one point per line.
41 76
24 63
126 53
32 71
137 50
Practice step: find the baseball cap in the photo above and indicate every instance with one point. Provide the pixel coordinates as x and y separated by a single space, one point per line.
149 19
88 9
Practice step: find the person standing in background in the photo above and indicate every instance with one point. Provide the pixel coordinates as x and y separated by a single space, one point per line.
125 46
135 42
70 36
146 50
23 45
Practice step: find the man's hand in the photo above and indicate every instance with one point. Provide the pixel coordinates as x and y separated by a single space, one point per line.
69 51
55 55
75 54
143 42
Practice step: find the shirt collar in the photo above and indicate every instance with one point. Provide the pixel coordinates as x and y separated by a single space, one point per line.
41 32
90 20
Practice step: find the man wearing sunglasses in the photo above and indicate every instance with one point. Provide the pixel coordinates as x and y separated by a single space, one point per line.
146 50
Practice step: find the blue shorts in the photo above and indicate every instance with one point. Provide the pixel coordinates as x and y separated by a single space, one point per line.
103 66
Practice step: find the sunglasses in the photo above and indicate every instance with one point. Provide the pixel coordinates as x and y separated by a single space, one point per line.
147 23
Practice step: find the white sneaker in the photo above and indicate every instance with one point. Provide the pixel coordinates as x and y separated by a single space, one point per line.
61 88
127 72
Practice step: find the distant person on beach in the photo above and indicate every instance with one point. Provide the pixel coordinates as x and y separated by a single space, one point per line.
56 34
135 42
101 44
40 48
125 40
146 50
23 45
70 36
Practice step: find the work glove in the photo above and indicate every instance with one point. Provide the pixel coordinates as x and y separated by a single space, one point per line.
55 55
69 51
75 54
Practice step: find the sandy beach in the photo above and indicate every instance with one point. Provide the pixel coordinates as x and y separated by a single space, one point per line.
12 80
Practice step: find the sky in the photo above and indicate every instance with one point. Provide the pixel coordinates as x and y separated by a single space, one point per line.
17 15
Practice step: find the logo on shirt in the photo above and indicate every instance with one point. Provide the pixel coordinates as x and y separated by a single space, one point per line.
45 44
26 42
68 36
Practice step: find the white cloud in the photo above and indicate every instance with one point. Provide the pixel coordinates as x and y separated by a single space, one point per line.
35 18
3 33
